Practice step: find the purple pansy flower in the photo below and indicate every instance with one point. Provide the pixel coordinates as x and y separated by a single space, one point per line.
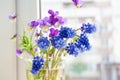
33 24
77 3
54 19
18 52
44 22
53 32
52 13
61 21
12 16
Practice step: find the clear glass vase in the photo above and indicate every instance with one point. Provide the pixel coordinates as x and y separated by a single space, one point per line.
53 70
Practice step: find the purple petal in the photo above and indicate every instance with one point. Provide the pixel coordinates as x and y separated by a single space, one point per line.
78 2
51 12
33 24
50 35
44 22
61 20
52 20
18 52
40 21
75 1
12 16
56 13
53 32
56 31
46 19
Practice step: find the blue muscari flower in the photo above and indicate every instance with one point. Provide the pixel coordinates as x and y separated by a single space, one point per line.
37 64
66 32
88 28
43 43
72 49
82 43
58 42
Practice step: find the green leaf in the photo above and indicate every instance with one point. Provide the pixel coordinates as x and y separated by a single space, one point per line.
25 49
25 40
43 51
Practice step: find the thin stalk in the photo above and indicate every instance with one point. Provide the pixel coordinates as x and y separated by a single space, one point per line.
52 63
27 75
47 63
53 56
31 37
77 29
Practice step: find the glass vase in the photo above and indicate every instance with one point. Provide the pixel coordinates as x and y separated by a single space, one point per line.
53 69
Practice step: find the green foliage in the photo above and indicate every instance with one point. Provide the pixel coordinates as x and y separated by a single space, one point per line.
43 51
26 44
25 40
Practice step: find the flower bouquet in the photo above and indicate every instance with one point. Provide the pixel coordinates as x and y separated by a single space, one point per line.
48 42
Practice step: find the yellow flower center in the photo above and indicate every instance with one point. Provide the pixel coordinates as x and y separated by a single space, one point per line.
45 28
57 25
30 28
78 6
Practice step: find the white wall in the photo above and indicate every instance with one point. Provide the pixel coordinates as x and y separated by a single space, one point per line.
10 67
7 48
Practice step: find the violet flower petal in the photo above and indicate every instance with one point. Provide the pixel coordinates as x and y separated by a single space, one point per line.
53 32
56 13
51 12
33 24
12 16
61 20
77 2
18 52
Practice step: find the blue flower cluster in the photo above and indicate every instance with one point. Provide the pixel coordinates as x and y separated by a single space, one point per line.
72 49
43 43
37 64
66 32
58 42
88 28
80 45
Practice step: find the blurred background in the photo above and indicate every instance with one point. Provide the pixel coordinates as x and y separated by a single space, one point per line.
102 62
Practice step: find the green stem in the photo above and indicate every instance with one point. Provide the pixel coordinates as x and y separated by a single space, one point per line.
77 29
31 37
27 75
47 63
